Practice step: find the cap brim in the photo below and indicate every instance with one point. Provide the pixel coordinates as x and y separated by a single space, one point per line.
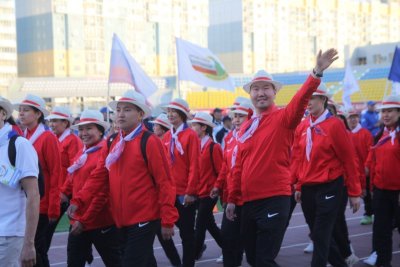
380 107
238 111
104 124
145 108
8 108
56 117
277 85
329 96
165 108
160 123
44 111
212 125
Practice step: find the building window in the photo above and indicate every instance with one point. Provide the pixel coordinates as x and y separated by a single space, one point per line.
362 61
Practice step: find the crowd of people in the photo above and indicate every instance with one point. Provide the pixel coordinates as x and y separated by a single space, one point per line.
123 182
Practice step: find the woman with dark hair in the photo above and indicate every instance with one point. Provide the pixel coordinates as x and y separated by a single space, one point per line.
183 152
210 166
161 125
232 247
340 231
384 166
324 164
70 145
32 110
92 224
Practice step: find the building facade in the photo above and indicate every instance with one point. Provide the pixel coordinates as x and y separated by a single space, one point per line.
284 36
61 38
8 45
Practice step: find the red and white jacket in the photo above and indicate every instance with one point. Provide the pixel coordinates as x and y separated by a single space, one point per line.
262 168
69 148
95 214
134 198
224 181
209 169
362 140
384 163
48 152
184 168
332 156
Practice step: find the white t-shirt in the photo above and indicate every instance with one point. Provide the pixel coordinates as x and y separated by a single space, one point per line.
13 201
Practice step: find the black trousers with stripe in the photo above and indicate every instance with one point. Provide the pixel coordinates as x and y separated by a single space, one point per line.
263 227
320 204
185 224
340 231
137 244
232 247
386 209
106 242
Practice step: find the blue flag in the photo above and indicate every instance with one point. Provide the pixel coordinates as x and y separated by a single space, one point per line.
394 74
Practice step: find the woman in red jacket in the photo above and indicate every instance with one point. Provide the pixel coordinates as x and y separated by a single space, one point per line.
210 166
384 170
161 125
324 154
182 147
92 224
232 247
32 110
362 140
70 145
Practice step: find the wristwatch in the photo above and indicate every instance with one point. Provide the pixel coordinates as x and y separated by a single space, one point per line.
319 75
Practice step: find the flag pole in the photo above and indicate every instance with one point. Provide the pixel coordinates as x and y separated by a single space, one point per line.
386 89
108 101
178 86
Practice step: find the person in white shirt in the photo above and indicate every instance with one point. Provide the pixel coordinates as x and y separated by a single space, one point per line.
19 195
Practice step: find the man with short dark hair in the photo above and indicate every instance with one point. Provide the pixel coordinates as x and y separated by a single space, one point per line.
370 119
227 126
217 116
261 175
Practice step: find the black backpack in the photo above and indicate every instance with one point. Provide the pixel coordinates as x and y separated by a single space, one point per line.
143 144
12 154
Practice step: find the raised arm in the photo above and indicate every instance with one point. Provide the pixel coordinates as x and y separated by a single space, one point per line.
295 109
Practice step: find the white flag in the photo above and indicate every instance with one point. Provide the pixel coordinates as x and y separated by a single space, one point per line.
200 65
350 86
395 88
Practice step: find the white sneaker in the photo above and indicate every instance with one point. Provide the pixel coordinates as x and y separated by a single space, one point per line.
220 259
351 260
310 248
371 260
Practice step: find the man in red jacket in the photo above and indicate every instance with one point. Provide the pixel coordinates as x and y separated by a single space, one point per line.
261 175
141 188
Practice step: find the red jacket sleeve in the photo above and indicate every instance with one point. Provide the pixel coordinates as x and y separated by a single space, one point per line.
96 182
234 191
95 206
159 169
220 182
217 158
53 163
294 111
295 157
370 164
194 157
345 151
66 189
